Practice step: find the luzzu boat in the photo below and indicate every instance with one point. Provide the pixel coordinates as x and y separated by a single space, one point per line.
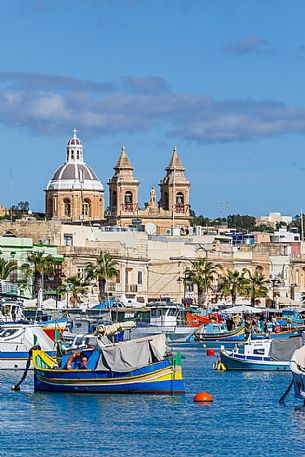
263 355
219 333
135 366
295 331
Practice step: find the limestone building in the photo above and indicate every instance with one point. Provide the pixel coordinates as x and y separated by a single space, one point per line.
74 193
172 211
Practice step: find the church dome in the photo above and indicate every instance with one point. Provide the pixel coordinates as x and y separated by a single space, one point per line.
74 174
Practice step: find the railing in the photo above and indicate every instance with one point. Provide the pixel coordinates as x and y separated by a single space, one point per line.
129 207
131 288
181 209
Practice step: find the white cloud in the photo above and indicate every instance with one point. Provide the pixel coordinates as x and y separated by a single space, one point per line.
134 110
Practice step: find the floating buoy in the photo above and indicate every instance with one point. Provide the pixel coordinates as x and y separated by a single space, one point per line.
204 345
203 397
210 352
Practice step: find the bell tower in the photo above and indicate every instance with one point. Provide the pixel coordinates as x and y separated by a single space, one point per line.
123 192
175 188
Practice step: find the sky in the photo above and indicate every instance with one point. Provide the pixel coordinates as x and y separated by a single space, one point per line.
223 80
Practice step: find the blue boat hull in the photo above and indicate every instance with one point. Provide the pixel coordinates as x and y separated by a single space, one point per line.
163 377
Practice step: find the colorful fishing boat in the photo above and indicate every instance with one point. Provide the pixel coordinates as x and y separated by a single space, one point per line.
263 355
295 331
135 366
219 333
292 317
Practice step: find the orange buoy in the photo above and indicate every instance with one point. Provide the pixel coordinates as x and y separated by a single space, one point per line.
204 397
210 352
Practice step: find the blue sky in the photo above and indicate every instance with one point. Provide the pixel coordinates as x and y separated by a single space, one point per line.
221 79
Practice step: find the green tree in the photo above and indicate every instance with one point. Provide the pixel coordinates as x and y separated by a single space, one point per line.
256 284
76 288
103 269
233 284
202 274
37 265
6 268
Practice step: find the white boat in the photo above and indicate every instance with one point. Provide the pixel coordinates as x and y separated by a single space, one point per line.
164 318
258 355
15 342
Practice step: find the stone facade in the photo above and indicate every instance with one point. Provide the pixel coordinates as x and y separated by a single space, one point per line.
172 210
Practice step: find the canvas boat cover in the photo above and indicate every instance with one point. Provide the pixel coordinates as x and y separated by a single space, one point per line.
299 358
133 354
108 330
283 348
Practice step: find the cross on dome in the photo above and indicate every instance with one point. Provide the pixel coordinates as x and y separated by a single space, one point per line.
74 132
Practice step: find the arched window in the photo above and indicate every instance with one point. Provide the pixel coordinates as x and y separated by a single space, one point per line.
166 204
179 198
128 198
67 207
72 155
87 207
77 155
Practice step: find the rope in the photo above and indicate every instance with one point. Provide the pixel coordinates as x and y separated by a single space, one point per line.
283 397
16 387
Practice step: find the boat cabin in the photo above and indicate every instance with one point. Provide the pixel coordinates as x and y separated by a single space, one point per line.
165 315
11 311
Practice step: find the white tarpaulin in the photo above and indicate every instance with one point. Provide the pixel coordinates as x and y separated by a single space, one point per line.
243 309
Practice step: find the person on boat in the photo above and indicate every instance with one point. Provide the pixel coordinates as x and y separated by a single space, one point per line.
289 322
274 324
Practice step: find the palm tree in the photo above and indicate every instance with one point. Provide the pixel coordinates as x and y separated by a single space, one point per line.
6 268
76 288
103 269
233 284
202 274
256 285
37 265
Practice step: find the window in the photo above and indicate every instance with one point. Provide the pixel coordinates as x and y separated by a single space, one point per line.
77 155
68 239
81 273
67 207
140 277
72 155
87 207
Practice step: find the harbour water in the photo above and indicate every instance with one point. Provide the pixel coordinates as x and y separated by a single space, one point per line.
244 420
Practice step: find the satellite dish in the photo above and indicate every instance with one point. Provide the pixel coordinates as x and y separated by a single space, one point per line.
150 228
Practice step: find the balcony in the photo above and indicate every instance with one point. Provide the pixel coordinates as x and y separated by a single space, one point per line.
131 288
181 209
129 207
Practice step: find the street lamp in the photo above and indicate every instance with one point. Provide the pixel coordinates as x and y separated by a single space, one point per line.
275 282
292 287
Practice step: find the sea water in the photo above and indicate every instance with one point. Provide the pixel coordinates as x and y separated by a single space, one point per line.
245 418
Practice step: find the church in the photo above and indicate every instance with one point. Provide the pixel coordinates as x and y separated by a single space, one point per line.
75 194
